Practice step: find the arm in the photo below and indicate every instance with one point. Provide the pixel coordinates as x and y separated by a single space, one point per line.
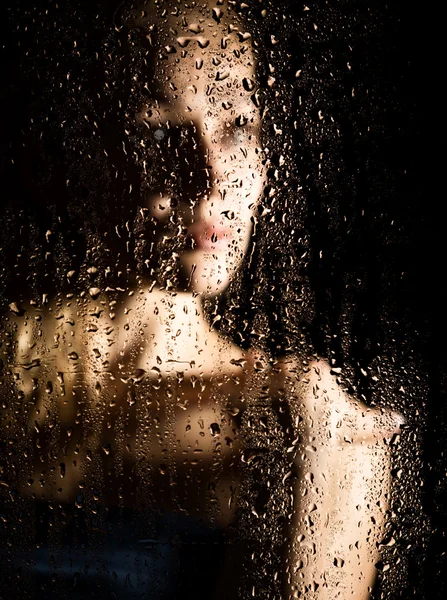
52 371
343 493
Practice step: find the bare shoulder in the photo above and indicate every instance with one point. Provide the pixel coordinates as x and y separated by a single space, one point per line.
58 342
329 408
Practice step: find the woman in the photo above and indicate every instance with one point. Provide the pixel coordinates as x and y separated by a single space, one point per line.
161 459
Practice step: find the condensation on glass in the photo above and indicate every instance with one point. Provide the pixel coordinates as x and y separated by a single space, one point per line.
168 430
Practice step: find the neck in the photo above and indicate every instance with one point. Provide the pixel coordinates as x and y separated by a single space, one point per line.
181 332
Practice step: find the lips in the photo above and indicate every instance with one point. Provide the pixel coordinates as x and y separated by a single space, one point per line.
210 237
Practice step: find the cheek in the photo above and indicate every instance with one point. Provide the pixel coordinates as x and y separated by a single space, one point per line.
243 226
251 173
250 194
253 188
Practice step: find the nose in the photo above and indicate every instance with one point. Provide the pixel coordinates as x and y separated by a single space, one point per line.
193 168
198 174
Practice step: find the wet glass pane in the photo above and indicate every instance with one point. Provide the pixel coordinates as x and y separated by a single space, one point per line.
220 371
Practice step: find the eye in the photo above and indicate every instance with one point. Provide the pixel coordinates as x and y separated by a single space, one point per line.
239 136
172 135
159 134
162 132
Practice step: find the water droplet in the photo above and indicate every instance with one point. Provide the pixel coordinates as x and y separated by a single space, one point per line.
381 566
32 364
131 401
139 375
183 41
16 309
217 14
241 120
249 84
203 42
159 135
214 429
106 449
222 76
195 28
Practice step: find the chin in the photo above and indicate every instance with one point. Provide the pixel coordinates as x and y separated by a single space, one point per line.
208 272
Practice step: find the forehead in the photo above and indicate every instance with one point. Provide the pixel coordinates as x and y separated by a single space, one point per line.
199 53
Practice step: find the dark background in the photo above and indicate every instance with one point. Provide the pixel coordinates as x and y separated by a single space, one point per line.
377 280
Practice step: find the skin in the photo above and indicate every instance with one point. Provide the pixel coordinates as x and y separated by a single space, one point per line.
343 495
343 450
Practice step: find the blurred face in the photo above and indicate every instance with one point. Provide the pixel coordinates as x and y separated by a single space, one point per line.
201 120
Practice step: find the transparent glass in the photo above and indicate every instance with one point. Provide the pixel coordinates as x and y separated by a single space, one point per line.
203 387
